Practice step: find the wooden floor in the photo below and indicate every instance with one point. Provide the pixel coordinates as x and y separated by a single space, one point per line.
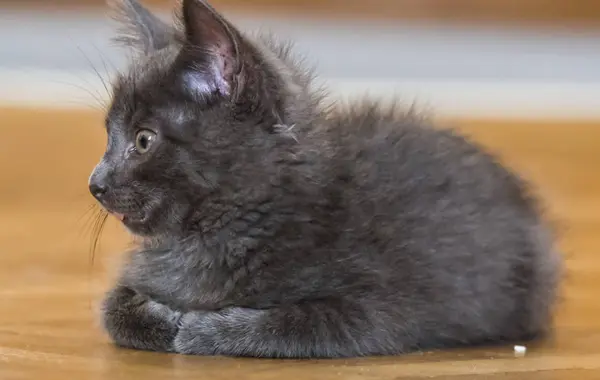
49 285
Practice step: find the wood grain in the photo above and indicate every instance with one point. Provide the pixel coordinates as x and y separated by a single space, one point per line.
49 286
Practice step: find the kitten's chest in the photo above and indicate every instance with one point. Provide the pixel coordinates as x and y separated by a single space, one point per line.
179 281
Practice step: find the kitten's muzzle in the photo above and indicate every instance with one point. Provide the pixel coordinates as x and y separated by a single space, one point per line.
98 182
98 191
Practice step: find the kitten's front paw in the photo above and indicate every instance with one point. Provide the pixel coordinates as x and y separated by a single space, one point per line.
133 321
197 332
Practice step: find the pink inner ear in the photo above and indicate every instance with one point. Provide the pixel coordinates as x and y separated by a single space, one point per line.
196 83
206 82
215 41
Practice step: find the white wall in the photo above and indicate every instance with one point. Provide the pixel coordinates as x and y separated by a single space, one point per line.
48 58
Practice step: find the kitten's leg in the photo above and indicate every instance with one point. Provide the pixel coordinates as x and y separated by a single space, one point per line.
316 329
134 321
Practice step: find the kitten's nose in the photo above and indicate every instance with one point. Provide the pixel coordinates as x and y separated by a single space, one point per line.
97 190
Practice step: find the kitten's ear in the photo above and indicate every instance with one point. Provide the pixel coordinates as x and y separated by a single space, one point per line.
140 29
214 48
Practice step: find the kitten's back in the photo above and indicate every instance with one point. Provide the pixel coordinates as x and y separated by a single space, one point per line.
455 233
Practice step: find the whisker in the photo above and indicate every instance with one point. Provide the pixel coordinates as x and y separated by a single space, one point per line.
98 219
107 72
93 67
89 209
100 102
89 218
98 227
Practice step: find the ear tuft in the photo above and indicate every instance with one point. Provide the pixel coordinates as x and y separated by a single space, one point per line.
140 29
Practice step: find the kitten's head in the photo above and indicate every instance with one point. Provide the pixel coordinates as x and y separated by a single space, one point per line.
199 114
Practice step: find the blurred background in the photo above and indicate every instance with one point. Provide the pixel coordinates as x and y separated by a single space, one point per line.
523 58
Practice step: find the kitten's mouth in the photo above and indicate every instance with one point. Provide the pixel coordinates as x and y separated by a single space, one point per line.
130 219
125 219
121 217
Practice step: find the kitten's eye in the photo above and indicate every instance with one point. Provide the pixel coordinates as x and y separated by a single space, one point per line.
144 140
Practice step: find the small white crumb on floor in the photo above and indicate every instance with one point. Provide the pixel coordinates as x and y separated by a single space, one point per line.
520 351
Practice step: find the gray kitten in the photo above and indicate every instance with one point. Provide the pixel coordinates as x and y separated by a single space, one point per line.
272 225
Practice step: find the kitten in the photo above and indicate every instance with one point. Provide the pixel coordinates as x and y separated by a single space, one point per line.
272 225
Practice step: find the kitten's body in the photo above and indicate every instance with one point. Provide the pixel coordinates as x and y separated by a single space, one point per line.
278 228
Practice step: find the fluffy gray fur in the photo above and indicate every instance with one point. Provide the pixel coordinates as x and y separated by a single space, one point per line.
272 225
